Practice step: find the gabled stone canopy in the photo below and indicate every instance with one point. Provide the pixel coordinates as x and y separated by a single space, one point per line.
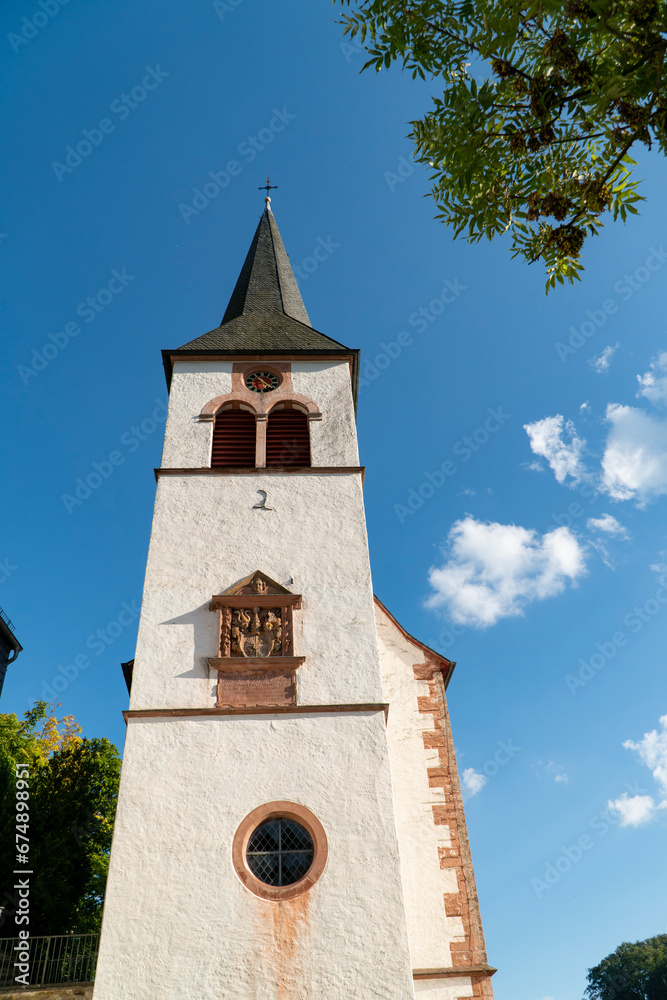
256 583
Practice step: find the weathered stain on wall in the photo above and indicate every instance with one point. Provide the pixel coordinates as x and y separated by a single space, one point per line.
283 967
291 934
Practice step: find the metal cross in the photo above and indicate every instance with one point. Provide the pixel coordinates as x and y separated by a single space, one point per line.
268 186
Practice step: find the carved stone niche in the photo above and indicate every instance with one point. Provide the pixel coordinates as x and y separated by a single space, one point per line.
256 663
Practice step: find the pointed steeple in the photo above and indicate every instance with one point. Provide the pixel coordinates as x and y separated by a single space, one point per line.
266 312
266 283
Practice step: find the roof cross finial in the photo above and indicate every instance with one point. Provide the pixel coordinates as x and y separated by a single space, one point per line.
267 187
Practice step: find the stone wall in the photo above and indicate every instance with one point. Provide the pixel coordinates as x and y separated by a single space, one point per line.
73 991
444 925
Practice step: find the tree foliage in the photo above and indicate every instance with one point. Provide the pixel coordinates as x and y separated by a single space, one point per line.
633 972
541 105
72 802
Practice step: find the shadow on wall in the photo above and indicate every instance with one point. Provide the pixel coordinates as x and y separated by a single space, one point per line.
204 636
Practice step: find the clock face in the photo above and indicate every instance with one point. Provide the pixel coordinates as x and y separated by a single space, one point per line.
261 381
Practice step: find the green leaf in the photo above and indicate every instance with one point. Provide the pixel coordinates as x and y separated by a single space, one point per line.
495 154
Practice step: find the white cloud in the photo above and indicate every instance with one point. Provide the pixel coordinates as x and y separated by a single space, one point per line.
549 439
634 464
652 751
602 363
608 524
551 770
633 810
473 781
659 568
603 552
654 382
494 571
533 466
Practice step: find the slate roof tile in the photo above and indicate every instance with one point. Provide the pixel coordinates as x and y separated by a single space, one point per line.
266 311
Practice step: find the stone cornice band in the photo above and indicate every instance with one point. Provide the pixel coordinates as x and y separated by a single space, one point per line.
184 713
297 470
464 970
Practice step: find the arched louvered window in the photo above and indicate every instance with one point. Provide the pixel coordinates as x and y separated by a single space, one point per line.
234 439
287 438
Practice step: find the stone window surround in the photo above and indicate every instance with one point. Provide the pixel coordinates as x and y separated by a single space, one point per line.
286 810
260 403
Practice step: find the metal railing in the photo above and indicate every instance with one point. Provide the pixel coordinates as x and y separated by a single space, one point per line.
62 958
7 622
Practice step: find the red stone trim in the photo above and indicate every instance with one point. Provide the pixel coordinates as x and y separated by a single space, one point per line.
271 688
233 664
257 600
198 713
447 666
281 470
170 357
271 810
260 440
256 681
464 903
481 986
472 970
209 411
262 403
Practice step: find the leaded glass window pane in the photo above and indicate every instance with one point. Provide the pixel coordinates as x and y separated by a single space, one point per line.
280 852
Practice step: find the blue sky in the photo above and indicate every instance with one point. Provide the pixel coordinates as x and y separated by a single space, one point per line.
490 542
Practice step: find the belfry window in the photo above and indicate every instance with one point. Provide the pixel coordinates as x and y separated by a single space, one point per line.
287 438
234 437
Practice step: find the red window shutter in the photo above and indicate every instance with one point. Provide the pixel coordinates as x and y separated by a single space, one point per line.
234 439
287 438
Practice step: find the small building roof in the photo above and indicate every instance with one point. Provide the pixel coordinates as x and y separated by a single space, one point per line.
446 666
10 647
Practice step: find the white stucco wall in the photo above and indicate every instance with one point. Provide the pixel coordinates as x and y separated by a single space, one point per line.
206 536
333 439
179 923
430 930
451 988
188 441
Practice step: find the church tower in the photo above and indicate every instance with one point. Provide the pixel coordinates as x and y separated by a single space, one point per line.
290 823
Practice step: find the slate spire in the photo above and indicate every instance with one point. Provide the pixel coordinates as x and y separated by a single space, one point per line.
266 283
266 312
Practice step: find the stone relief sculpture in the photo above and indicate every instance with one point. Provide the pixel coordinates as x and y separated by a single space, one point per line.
256 632
256 662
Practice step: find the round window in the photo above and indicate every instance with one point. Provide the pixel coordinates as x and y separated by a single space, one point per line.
280 852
